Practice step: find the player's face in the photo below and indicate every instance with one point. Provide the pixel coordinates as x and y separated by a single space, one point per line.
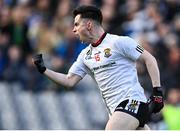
80 28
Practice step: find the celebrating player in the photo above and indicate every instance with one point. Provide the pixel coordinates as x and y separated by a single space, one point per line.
110 60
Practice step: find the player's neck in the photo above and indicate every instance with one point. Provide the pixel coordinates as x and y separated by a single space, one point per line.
97 34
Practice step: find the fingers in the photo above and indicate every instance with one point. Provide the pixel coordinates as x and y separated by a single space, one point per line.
38 61
37 57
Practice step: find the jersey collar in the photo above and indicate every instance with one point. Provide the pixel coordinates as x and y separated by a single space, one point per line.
100 40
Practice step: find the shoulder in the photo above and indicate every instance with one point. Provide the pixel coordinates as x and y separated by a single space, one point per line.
117 38
84 51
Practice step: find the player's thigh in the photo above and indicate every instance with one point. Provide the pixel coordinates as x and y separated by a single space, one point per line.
122 121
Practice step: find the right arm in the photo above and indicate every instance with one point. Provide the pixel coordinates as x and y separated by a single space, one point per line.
67 80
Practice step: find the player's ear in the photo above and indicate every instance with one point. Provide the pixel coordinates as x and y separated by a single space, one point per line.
89 25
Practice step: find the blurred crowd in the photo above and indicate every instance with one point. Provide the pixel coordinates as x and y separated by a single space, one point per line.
28 27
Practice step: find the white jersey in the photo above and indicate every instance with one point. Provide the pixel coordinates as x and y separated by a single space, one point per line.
112 65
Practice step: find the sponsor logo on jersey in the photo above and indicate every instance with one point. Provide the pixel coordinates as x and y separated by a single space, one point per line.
103 66
107 52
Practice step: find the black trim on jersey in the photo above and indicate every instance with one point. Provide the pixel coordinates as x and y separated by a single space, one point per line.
99 41
140 49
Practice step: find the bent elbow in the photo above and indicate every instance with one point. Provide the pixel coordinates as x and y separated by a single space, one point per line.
70 84
72 80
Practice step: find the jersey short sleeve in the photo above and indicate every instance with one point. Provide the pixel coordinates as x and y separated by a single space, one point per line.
129 48
78 67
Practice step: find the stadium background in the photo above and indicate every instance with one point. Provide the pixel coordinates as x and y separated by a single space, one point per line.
29 100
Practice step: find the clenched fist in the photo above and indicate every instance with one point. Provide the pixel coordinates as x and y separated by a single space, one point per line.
38 61
157 102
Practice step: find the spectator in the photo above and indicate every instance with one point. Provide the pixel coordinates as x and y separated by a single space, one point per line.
19 30
11 73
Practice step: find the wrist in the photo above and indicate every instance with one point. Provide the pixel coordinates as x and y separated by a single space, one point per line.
42 70
157 91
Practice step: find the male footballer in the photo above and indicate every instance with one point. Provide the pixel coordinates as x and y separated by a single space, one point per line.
110 60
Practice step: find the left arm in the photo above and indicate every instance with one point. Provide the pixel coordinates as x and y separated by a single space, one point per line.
152 68
157 98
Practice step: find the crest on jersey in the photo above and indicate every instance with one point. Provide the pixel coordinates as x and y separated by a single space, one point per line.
107 52
133 106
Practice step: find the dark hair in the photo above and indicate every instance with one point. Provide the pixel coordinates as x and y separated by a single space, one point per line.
90 12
